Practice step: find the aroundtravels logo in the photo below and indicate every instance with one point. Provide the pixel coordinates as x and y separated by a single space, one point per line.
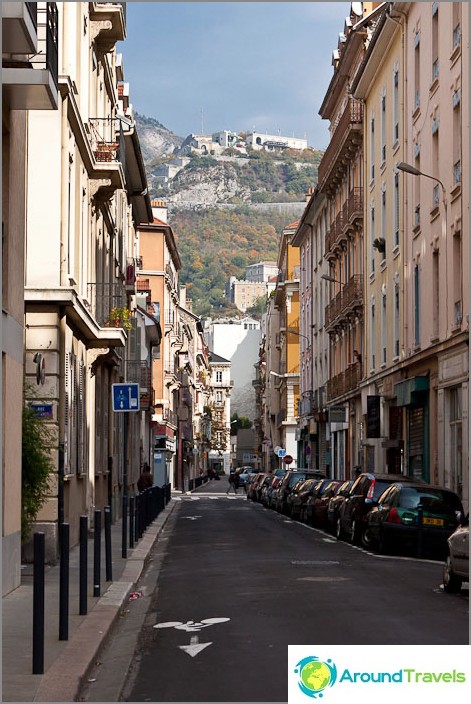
315 675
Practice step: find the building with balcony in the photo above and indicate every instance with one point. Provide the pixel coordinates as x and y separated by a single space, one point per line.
289 342
313 430
433 390
29 29
341 180
157 279
81 239
379 83
219 451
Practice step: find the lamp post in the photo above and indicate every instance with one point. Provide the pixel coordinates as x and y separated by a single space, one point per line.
326 277
300 334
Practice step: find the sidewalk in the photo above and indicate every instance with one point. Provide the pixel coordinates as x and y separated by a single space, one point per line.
66 663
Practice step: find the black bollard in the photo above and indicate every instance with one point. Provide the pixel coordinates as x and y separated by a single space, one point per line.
38 604
97 554
124 526
64 582
420 534
108 560
131 521
83 565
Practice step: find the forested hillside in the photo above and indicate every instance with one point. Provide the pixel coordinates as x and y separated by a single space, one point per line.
215 244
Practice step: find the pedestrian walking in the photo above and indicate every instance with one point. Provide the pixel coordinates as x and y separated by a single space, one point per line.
233 482
145 480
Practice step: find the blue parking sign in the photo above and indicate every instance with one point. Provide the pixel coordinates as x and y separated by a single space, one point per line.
125 397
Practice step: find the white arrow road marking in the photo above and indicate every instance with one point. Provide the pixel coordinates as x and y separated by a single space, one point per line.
195 647
192 518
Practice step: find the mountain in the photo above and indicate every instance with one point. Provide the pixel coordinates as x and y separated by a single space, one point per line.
156 140
227 209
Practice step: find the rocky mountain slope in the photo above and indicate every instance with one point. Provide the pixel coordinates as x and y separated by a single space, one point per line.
156 140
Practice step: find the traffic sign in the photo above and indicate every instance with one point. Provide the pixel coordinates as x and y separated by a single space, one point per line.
281 452
125 397
288 459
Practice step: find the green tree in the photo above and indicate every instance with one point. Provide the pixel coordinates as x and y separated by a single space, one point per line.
36 467
239 423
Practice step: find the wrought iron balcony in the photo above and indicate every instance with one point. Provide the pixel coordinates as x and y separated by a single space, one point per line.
347 303
169 416
139 372
345 382
348 133
102 298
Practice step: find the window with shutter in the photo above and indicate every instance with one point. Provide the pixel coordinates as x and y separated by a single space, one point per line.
66 412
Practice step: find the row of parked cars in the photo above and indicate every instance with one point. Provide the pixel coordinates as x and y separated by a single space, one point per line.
383 512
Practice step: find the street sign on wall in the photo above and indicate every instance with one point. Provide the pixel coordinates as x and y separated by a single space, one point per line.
125 397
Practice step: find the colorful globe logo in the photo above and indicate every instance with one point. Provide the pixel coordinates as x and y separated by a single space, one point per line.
315 675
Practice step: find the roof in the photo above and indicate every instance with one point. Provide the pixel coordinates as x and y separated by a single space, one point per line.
292 226
216 359
156 221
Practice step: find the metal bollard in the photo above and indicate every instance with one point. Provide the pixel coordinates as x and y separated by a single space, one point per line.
64 529
38 604
83 565
97 554
131 521
124 527
420 535
108 560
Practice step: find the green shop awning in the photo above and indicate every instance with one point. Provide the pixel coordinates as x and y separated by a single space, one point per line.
404 390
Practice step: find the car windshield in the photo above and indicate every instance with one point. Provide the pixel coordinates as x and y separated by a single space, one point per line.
379 487
295 478
431 500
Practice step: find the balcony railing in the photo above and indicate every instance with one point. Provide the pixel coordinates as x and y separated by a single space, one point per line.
47 27
139 372
143 285
344 382
102 298
107 140
348 128
348 300
32 8
169 416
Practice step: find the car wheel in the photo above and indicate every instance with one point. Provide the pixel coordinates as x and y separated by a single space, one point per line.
338 530
451 583
367 538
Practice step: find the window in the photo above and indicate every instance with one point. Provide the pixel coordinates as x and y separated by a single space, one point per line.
434 41
396 106
417 69
372 334
218 377
457 173
372 148
456 24
372 238
383 217
396 210
417 305
436 293
436 195
384 323
383 128
457 278
396 319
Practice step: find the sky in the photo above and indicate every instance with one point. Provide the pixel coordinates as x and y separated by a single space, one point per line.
203 67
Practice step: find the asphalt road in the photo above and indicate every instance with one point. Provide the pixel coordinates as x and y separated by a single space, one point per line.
232 584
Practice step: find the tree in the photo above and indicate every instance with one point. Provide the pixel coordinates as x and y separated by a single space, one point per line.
239 423
36 467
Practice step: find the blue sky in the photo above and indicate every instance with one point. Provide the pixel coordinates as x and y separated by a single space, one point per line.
233 65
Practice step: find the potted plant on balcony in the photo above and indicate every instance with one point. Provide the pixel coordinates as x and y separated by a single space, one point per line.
119 317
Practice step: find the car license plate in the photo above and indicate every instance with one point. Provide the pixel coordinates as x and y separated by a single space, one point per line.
432 521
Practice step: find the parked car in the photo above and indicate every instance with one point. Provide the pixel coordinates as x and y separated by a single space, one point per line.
298 496
418 516
289 480
267 488
315 508
362 497
335 501
253 485
456 569
244 473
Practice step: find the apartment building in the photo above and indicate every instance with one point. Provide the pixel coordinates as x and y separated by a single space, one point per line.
26 85
219 453
313 429
341 180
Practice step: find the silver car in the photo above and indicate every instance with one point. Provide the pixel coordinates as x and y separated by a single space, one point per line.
456 569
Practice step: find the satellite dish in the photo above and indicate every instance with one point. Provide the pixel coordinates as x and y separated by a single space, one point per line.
357 9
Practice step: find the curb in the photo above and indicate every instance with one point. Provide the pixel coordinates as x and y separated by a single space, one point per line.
64 679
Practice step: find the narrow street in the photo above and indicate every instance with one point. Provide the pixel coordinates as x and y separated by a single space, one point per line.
231 584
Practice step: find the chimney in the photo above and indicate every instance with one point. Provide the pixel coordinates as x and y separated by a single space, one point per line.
159 210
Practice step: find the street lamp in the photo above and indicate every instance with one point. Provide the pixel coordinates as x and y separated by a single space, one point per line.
326 277
409 169
300 334
280 376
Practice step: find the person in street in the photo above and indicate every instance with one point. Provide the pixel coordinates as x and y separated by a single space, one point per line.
233 482
356 471
145 480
